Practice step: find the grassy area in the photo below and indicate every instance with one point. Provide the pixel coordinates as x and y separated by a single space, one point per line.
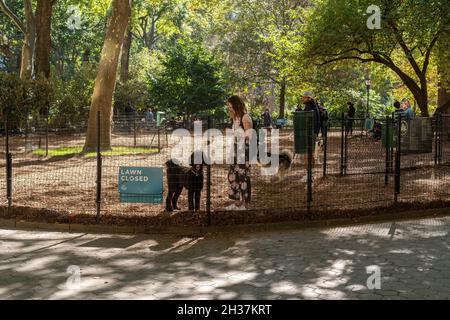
73 151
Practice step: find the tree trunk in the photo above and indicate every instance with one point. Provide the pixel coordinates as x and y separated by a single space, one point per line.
422 101
26 64
29 33
125 59
43 40
419 93
105 82
444 74
282 98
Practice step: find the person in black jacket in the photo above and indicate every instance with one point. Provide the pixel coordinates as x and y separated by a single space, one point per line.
323 111
350 117
267 119
311 105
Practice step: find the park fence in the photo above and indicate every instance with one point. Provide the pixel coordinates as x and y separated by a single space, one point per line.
354 164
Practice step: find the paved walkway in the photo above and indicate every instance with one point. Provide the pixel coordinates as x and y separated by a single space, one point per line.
412 259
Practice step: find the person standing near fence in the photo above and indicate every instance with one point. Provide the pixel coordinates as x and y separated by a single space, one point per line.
267 119
350 117
311 106
130 116
398 109
239 174
323 118
149 116
409 113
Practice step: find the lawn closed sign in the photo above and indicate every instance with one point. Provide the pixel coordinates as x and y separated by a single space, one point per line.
141 185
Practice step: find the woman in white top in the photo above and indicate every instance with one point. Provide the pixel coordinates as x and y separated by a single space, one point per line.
239 174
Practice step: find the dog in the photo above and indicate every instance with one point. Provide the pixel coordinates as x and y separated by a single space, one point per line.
178 178
285 160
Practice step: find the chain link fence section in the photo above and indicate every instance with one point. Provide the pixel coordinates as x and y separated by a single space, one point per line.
347 170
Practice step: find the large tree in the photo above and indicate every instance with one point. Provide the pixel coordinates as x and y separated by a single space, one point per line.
410 30
444 73
28 28
191 81
261 38
44 10
105 82
36 29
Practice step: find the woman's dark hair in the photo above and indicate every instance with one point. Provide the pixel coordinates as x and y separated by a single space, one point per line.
238 106
397 105
350 104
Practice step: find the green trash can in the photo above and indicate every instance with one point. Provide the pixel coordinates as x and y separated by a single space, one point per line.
388 132
160 118
302 122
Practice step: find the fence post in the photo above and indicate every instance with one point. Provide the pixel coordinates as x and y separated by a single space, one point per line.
441 137
46 131
342 143
167 136
398 158
134 132
159 139
388 149
440 126
325 150
8 164
310 133
208 176
99 170
391 162
26 135
345 146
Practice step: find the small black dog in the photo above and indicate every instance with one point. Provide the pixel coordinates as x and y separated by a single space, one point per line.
179 177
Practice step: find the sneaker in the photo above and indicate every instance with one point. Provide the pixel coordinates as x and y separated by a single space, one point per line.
232 207
241 208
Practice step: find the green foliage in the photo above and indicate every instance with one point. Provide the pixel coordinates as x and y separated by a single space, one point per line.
133 92
10 39
23 100
244 46
337 31
73 97
191 81
71 48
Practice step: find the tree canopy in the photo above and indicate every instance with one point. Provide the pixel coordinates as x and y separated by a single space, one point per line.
186 56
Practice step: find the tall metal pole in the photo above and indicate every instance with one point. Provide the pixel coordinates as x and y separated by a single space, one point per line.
387 142
310 142
208 177
99 170
325 150
368 101
46 131
343 128
398 158
8 164
134 132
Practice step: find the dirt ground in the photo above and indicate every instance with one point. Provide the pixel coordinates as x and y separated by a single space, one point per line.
68 184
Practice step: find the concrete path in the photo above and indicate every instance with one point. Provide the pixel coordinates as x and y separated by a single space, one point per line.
403 260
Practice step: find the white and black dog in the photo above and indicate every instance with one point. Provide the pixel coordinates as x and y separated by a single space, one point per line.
285 160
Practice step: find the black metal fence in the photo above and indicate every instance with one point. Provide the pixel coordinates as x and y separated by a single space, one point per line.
354 164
